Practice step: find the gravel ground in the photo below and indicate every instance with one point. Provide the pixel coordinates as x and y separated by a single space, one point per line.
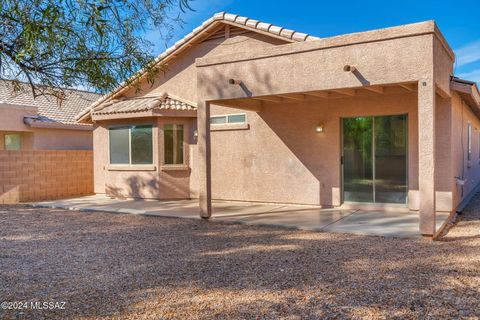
106 266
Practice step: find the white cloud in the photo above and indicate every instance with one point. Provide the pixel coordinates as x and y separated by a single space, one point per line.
468 53
473 75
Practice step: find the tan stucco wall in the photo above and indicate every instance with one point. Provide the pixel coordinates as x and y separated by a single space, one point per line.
180 75
282 159
60 139
286 69
461 116
11 117
179 78
52 139
443 154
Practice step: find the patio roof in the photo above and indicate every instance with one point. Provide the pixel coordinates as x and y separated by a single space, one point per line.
257 102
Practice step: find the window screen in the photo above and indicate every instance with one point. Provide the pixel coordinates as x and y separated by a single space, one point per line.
173 144
131 145
119 146
237 118
218 120
141 144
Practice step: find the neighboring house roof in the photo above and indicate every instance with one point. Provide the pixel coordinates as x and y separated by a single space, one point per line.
185 42
469 92
50 109
161 101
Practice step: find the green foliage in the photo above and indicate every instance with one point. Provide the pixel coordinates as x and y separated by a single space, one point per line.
89 43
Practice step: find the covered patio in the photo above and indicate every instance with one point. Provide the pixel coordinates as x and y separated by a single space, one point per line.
377 73
312 218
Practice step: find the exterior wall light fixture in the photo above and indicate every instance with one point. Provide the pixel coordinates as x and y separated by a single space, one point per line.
320 128
234 81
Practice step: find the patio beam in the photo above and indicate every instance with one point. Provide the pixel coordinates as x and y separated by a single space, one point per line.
244 104
293 96
426 156
318 94
376 89
407 86
274 99
347 92
205 166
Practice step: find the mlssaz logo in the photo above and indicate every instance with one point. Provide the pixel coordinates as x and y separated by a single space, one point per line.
50 305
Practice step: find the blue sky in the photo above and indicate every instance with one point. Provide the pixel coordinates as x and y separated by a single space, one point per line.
458 21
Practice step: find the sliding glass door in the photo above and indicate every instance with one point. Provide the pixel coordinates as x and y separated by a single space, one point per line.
375 159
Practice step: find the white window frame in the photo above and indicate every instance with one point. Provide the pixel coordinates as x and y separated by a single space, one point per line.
130 164
227 116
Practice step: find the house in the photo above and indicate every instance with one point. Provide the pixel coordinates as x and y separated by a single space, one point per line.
249 111
43 123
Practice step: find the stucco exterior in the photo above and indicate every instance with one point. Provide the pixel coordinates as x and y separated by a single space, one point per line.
179 78
286 89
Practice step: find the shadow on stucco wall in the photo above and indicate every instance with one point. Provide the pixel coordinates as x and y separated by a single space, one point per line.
294 125
134 187
166 186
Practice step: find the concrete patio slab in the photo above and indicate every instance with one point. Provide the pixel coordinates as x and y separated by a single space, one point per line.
404 224
316 219
373 222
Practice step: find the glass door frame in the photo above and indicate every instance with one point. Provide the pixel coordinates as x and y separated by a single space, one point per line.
342 162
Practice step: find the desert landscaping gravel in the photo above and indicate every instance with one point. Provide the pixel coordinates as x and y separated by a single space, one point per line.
113 266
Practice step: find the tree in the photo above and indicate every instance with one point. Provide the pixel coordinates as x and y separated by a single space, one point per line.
90 43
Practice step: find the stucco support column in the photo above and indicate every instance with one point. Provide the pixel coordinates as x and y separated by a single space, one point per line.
204 160
426 156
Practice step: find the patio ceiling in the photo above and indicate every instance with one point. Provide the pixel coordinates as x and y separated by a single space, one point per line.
256 102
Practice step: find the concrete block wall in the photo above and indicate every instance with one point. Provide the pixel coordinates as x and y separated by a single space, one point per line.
37 175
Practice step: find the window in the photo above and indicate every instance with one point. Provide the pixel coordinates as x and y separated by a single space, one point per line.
229 119
141 145
173 143
131 145
218 120
13 142
469 141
